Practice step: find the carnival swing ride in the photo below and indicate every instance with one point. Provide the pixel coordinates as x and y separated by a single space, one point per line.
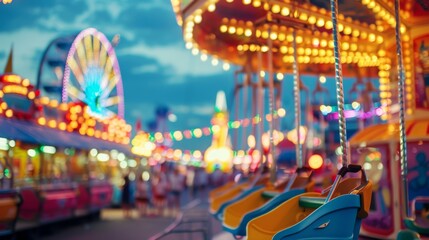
310 37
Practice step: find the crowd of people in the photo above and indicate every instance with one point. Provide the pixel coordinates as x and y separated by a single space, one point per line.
159 191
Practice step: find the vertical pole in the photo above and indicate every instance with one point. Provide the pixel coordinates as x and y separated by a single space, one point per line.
273 169
254 104
297 103
236 104
339 84
260 114
42 165
402 135
9 164
245 91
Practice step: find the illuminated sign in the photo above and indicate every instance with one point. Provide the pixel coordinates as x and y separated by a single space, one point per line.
16 89
12 79
16 96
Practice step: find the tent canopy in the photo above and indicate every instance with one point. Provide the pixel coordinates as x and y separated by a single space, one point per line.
31 133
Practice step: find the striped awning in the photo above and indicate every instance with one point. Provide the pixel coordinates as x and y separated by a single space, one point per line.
415 130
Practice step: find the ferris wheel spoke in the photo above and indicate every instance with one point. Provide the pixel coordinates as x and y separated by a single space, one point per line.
75 93
103 56
107 74
112 83
81 56
108 67
96 49
109 112
58 72
76 70
88 47
111 101
105 80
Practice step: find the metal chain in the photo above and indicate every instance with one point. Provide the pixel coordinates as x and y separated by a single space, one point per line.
402 135
297 103
339 84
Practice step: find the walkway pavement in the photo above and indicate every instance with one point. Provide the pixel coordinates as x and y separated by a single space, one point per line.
113 225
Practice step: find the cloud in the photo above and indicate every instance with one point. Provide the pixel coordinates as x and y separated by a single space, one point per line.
179 59
200 109
25 54
145 69
192 121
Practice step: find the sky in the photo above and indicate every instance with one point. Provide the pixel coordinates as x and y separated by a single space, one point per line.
156 67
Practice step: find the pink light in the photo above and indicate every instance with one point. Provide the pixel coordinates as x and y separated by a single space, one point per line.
245 122
358 114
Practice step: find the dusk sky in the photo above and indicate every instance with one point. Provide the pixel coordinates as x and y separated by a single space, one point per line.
156 67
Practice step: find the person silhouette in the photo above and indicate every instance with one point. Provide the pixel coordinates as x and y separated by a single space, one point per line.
421 181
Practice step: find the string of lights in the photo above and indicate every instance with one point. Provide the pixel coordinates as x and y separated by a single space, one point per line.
179 135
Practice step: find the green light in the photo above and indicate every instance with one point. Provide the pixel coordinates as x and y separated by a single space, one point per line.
69 151
48 149
7 172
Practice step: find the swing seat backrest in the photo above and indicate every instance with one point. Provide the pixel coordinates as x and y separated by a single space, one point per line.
347 186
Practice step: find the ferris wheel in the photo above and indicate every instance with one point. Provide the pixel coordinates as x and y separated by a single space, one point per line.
51 67
83 68
92 75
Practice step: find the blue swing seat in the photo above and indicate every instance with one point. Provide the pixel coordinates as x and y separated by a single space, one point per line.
310 216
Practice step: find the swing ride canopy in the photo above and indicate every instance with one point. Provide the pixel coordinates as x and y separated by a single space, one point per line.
416 129
236 30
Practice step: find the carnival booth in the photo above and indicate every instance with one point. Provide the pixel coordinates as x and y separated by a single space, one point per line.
63 155
376 149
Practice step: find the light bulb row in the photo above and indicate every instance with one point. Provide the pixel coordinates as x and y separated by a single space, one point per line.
283 33
383 13
319 17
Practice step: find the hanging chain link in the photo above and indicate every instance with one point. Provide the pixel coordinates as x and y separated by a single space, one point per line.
297 103
402 135
339 84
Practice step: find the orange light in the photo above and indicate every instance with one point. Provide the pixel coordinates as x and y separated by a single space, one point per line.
62 126
52 123
73 124
12 78
25 82
90 132
315 161
64 107
53 103
97 134
104 135
15 89
41 121
9 113
44 100
73 117
31 95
